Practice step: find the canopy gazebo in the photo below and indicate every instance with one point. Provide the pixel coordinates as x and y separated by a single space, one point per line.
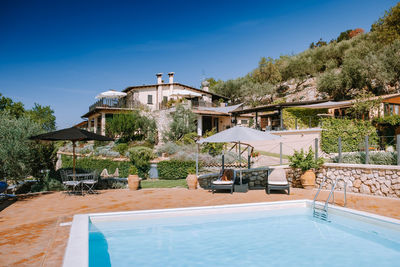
238 135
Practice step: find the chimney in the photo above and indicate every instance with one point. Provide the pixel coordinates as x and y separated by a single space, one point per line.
204 85
171 77
159 78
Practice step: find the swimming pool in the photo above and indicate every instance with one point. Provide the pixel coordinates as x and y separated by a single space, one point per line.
274 234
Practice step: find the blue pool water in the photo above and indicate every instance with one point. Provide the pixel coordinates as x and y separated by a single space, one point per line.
290 237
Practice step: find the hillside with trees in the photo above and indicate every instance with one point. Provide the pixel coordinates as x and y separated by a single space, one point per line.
342 68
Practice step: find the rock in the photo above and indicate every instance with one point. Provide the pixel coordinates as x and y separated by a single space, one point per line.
384 189
357 183
388 183
364 189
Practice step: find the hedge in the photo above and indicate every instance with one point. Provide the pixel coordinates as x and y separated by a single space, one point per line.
375 157
352 133
303 117
174 169
98 165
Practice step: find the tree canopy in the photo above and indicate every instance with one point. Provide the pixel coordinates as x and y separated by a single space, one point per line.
353 62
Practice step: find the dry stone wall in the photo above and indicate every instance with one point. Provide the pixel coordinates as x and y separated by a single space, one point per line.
256 178
379 180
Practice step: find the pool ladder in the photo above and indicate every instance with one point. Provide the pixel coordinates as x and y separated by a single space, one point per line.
322 212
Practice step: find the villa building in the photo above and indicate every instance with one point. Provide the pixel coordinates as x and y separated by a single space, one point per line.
270 117
212 110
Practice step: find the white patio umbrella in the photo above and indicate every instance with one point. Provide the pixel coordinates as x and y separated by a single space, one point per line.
184 93
237 134
111 94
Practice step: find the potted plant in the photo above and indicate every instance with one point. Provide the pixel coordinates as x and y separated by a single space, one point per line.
191 179
133 179
307 163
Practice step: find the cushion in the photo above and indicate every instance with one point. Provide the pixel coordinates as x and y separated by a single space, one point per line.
277 177
222 182
227 175
277 182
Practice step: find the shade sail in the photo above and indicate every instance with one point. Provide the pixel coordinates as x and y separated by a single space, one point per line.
239 134
185 93
71 134
111 94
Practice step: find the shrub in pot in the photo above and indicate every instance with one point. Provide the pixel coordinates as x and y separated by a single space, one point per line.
140 157
306 162
133 179
191 179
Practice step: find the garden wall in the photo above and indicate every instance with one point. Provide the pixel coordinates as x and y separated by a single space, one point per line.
379 180
255 177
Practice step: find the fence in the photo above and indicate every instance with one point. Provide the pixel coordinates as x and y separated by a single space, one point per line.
377 150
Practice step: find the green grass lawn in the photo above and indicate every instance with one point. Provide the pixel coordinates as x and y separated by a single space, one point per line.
275 155
164 183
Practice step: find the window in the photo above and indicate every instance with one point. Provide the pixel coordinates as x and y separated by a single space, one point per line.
396 109
165 99
243 122
150 99
386 109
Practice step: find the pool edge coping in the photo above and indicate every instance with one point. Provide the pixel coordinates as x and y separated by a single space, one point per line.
77 250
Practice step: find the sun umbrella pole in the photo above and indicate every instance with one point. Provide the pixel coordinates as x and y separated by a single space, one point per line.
73 158
223 160
240 164
197 159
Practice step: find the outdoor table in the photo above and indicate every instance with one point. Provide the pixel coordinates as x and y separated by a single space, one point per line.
79 179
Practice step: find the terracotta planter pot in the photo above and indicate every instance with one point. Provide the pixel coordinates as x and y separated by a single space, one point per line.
308 179
191 181
133 182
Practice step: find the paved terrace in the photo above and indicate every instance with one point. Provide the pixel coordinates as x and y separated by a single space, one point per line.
31 234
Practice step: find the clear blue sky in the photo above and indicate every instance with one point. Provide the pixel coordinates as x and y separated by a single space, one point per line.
63 53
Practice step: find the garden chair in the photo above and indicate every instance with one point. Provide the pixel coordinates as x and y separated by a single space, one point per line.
277 181
90 182
226 180
68 181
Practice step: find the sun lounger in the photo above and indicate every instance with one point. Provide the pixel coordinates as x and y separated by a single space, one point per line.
276 180
3 188
226 180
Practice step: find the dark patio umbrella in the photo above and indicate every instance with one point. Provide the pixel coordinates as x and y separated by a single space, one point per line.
71 134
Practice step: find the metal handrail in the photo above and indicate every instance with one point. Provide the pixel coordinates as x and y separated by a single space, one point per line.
324 215
319 189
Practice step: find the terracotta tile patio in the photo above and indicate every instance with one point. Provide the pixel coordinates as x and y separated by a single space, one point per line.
32 235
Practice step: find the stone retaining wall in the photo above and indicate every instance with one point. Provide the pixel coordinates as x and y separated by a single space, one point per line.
255 177
379 180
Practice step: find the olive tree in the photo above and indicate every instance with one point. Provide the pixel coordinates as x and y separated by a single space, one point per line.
15 147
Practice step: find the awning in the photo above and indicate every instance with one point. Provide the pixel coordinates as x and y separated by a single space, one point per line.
329 104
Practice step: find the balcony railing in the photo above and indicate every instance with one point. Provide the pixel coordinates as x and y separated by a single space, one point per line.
114 103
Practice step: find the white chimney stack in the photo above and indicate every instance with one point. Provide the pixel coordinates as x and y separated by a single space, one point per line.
159 78
171 77
204 85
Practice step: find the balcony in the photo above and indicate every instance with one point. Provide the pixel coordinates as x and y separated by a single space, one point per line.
114 103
